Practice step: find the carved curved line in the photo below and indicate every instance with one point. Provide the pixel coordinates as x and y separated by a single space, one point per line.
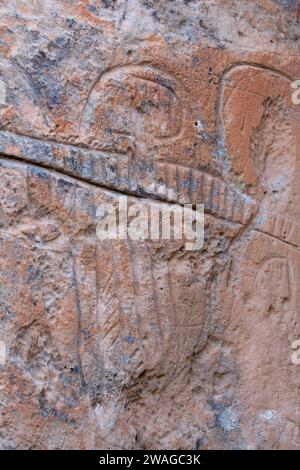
256 65
279 258
130 65
106 74
221 86
266 259
180 131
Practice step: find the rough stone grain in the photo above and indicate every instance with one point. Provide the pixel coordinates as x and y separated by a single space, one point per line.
142 344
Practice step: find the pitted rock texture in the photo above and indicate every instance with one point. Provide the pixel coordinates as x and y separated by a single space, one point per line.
108 344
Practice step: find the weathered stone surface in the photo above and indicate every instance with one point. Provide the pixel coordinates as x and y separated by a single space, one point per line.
142 344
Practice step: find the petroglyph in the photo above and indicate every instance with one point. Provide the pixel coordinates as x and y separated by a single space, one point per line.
132 103
112 171
132 344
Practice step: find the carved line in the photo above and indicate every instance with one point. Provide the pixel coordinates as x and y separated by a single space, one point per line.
271 259
219 199
250 225
295 247
78 146
281 228
135 299
79 320
180 132
112 172
126 67
222 85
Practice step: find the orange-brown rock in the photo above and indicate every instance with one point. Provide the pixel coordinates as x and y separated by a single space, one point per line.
123 344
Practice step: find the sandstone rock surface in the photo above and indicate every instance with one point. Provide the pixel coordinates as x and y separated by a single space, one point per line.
123 344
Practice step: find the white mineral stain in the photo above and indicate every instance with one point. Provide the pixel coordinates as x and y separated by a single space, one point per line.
2 353
2 92
269 415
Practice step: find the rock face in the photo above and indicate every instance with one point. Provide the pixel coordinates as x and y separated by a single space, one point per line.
133 344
